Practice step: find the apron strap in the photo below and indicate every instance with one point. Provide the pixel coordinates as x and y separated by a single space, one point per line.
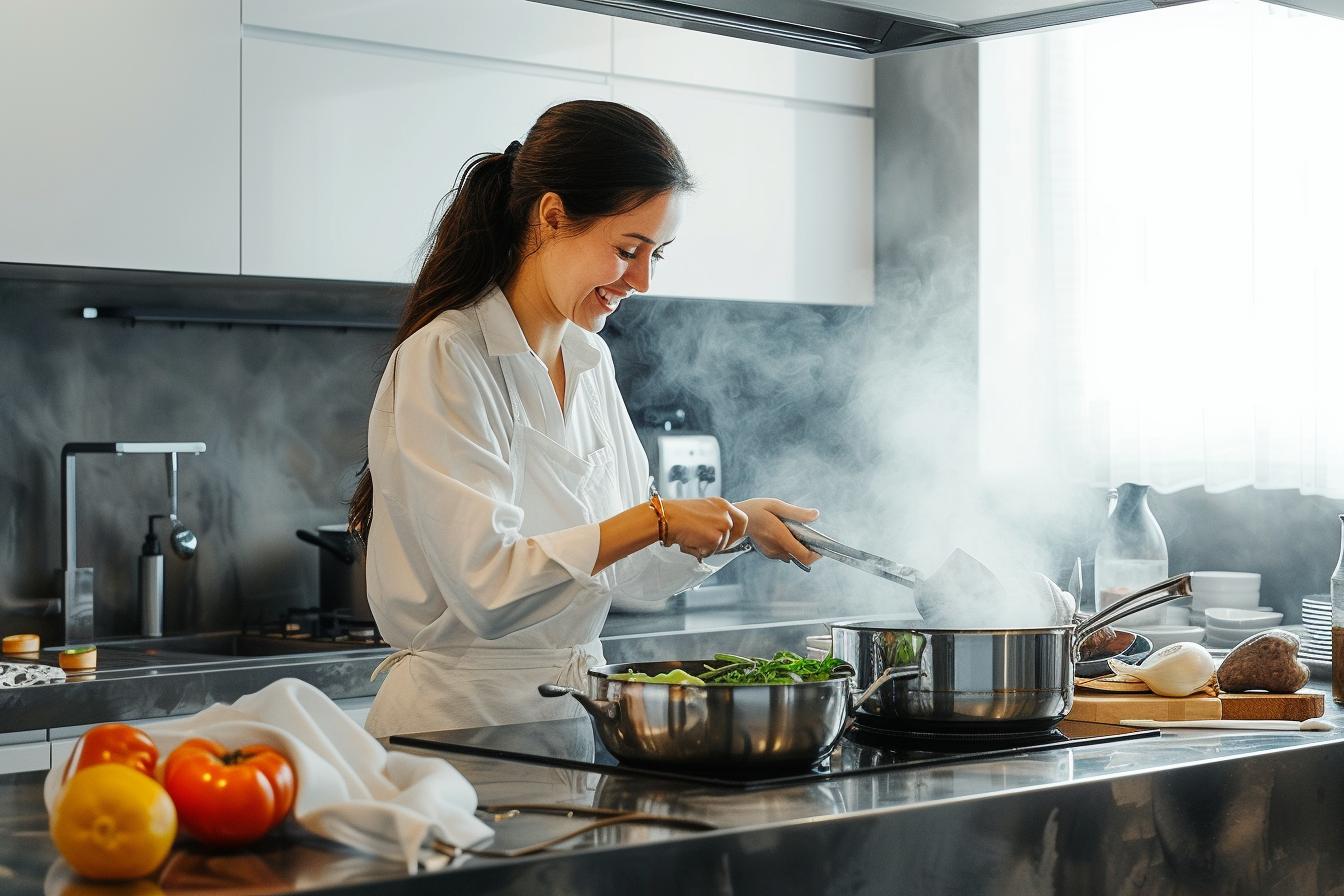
574 673
391 660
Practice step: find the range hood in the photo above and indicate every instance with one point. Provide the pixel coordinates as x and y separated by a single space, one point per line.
865 28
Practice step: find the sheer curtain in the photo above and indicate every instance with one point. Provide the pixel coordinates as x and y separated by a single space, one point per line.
1162 250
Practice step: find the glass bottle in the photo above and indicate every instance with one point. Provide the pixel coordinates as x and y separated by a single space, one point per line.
1132 552
1337 621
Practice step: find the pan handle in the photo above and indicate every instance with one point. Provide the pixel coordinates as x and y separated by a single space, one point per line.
1143 599
892 673
599 709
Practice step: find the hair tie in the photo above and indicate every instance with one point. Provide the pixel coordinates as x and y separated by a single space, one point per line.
512 150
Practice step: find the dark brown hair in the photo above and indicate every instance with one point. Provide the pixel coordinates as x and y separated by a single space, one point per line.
600 158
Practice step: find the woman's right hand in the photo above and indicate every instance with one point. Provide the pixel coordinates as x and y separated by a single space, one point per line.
703 526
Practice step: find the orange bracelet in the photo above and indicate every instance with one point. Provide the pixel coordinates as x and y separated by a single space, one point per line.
656 502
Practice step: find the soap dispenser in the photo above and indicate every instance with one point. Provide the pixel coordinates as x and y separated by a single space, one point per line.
151 583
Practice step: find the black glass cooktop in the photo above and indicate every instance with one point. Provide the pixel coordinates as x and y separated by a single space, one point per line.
571 743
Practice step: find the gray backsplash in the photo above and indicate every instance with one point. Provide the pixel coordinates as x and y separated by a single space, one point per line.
283 412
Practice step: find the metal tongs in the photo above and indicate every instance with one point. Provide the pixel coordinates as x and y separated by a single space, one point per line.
851 556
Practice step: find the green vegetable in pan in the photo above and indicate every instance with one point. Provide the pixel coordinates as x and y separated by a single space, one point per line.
783 668
676 676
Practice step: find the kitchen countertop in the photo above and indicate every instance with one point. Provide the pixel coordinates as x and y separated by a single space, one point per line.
129 685
1190 812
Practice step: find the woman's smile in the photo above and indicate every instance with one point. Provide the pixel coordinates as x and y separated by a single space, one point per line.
608 298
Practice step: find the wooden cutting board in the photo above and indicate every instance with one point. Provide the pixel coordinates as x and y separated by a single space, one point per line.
1111 708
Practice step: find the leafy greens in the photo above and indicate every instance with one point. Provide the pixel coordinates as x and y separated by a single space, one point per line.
784 667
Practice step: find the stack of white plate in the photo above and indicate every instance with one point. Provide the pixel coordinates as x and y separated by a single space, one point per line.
1228 627
1315 649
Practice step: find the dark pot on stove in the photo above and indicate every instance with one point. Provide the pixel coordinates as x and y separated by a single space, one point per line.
340 570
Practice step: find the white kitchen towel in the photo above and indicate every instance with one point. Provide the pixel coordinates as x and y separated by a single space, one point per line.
350 789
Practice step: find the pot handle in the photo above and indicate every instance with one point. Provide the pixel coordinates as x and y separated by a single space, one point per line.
1143 599
891 673
345 555
600 709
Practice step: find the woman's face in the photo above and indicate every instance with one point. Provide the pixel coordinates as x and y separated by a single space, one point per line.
588 274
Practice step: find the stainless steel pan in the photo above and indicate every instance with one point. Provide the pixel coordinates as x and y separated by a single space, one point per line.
969 681
714 726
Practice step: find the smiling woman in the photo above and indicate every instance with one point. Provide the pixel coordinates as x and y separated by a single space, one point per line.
506 497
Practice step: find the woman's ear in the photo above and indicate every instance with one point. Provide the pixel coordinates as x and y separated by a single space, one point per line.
550 214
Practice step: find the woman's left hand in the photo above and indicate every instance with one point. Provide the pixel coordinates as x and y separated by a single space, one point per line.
771 537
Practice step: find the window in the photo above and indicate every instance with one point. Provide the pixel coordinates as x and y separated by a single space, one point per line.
1162 250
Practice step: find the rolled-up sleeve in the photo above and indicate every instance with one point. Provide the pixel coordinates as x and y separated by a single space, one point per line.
443 473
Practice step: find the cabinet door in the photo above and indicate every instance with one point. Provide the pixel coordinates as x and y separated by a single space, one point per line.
518 30
684 56
28 757
346 154
121 134
783 206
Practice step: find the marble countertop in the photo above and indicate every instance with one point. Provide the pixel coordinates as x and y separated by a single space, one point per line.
1194 811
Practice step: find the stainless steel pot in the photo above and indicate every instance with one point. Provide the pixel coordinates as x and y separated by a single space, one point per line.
971 681
340 570
712 726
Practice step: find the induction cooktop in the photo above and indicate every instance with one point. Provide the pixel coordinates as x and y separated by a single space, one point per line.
571 743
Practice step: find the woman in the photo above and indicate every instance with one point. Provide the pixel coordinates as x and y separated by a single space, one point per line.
506 495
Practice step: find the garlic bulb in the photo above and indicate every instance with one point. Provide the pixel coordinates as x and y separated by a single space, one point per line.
1177 670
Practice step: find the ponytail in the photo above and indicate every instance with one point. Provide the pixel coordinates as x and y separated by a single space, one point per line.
601 158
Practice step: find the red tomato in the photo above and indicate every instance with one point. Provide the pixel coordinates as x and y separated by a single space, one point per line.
228 797
116 743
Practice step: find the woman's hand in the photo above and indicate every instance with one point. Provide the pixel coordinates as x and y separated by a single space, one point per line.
703 526
770 536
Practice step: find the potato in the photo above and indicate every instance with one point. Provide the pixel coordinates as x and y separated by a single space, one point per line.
1264 662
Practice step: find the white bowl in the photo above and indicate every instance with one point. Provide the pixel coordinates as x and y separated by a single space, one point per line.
1162 635
1218 580
1247 620
1236 635
1245 601
1176 615
1214 641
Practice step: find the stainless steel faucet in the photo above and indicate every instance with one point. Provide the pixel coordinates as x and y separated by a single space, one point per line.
76 580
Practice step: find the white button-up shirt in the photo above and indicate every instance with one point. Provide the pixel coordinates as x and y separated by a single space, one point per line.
451 559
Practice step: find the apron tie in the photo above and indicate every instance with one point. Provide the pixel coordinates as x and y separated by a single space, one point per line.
391 660
575 671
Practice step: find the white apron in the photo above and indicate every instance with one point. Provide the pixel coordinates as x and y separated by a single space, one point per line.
495 682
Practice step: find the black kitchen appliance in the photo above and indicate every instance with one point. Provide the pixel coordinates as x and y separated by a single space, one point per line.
568 743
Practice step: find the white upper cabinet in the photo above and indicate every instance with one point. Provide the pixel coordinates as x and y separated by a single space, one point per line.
516 30
679 55
120 144
346 154
783 206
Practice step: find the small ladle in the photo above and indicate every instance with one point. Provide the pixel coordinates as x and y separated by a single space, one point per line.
183 540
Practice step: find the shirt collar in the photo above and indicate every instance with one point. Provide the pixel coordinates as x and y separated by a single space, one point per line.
503 335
